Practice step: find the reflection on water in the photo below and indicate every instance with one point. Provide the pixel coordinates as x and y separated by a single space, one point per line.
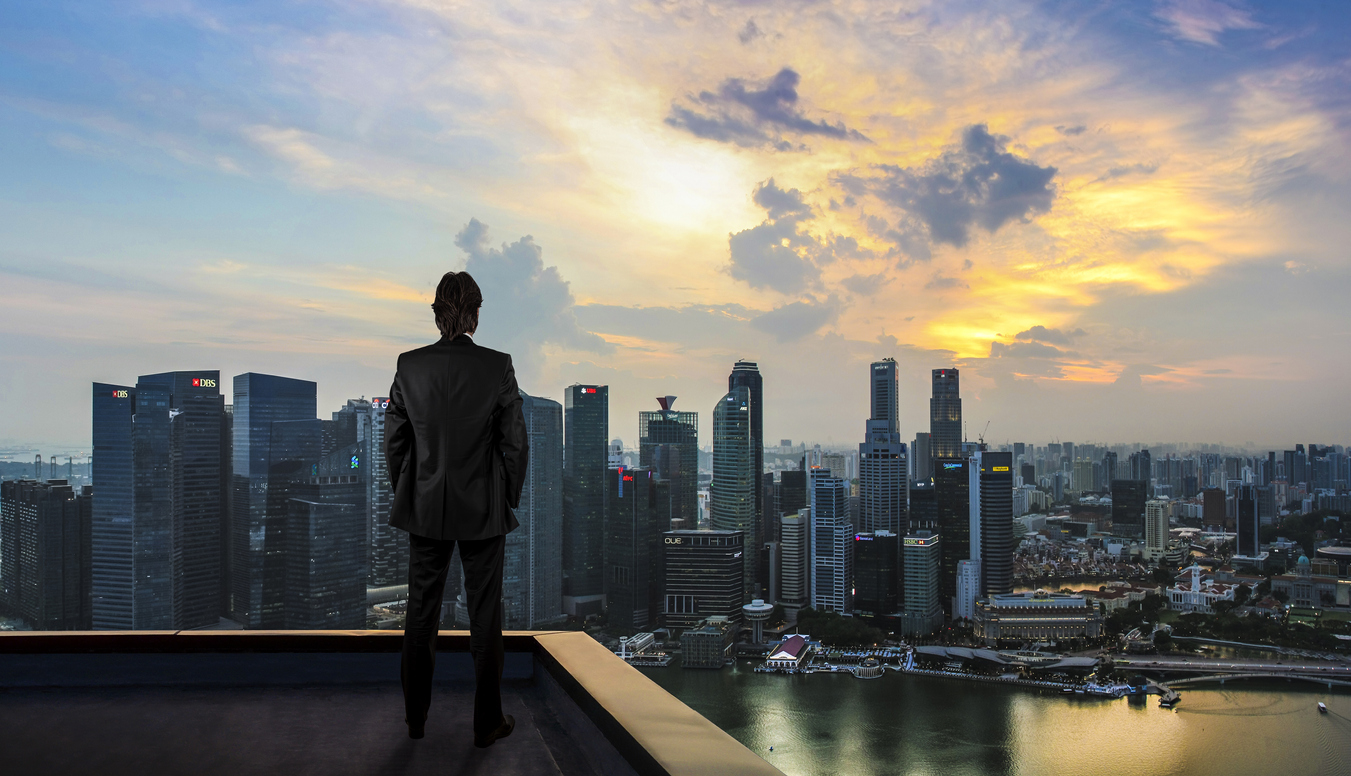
836 724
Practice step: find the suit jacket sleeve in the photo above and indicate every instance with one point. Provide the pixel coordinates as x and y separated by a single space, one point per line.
514 444
398 433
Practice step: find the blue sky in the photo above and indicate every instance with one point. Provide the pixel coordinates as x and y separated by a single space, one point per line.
1122 221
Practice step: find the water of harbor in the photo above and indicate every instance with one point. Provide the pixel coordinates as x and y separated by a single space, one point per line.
822 724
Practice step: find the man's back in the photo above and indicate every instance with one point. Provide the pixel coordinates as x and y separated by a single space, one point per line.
455 441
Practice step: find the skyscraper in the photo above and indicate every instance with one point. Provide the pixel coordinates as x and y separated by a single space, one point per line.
1247 523
586 429
746 374
991 492
735 483
877 573
921 555
1156 527
794 554
265 449
681 430
882 466
945 415
325 537
1128 507
364 421
637 513
703 573
921 458
45 560
832 562
532 587
158 502
952 489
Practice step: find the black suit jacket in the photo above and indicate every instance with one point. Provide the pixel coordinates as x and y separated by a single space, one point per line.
455 441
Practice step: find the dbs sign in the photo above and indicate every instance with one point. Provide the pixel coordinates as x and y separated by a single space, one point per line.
203 382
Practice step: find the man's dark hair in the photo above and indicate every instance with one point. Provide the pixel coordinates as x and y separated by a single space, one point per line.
456 305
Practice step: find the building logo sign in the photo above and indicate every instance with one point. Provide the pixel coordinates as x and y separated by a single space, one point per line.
203 382
356 462
381 403
862 538
1000 468
952 466
673 540
588 390
911 541
120 395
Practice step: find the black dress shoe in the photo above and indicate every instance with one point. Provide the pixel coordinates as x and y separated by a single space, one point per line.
503 730
416 731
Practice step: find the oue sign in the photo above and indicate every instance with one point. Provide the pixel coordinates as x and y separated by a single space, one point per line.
673 540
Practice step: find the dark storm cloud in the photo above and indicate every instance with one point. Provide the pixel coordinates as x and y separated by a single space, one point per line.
750 116
1053 336
525 304
796 320
975 183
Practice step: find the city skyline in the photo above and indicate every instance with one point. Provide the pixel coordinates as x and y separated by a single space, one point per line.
1153 200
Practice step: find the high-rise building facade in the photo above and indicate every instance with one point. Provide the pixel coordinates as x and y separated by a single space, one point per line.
703 576
362 420
923 513
746 374
952 491
967 590
637 513
732 492
1247 523
45 559
1156 527
945 415
325 537
586 429
158 511
794 556
991 493
832 533
877 573
921 557
532 580
269 448
921 458
1128 507
678 434
882 466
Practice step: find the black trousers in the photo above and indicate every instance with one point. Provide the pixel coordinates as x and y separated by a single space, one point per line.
428 563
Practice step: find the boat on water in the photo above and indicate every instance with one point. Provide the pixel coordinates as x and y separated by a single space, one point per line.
1169 701
1322 708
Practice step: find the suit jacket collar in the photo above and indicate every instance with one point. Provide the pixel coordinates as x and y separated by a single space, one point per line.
460 339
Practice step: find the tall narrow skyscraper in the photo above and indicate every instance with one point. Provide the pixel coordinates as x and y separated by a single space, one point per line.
921 459
831 540
746 374
680 430
586 429
735 483
532 589
882 467
265 450
157 511
387 547
945 415
991 491
952 489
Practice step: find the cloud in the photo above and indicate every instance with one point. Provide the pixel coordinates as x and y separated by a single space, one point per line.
865 285
796 320
941 282
1053 336
776 254
752 117
525 304
750 32
1139 168
1024 350
976 183
1077 129
1202 21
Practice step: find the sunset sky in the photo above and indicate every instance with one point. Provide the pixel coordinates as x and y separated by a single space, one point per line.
1124 222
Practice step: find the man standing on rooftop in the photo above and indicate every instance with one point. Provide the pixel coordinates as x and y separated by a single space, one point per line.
456 444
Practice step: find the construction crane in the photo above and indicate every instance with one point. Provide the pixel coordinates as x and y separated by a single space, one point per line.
981 437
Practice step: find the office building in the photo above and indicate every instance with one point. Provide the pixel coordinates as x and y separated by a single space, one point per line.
1156 528
1247 523
1213 510
882 465
276 435
735 483
703 576
45 558
968 590
679 430
746 374
921 558
638 512
952 489
792 492
586 427
1128 507
923 512
831 538
794 556
532 579
991 492
324 536
877 573
945 415
921 458
708 644
158 504
1142 467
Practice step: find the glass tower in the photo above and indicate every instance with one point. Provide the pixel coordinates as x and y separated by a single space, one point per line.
264 404
746 374
991 492
945 415
832 569
952 505
882 466
732 494
586 430
532 586
680 429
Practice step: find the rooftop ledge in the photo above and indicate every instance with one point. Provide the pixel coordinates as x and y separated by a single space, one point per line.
232 702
